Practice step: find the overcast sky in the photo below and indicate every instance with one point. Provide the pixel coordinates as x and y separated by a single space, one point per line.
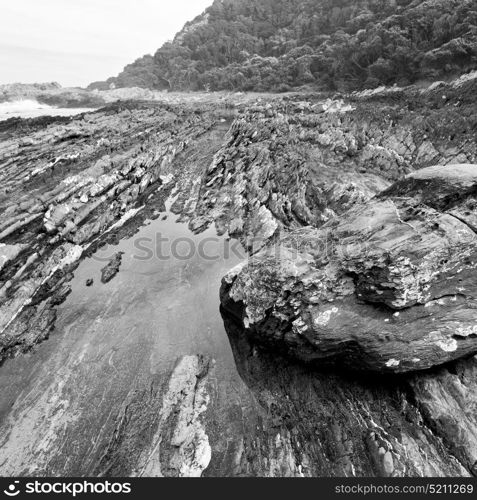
75 42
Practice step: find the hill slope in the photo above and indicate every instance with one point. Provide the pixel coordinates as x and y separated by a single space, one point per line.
261 45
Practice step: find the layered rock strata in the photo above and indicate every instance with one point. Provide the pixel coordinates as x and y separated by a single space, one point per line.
301 160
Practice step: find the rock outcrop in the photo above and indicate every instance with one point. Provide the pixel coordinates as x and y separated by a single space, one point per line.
299 161
389 286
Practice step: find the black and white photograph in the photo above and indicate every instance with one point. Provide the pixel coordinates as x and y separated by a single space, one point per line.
238 239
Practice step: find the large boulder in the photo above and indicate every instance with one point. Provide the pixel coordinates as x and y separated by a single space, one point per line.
389 286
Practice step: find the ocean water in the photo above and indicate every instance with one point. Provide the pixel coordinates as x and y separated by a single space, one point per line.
29 108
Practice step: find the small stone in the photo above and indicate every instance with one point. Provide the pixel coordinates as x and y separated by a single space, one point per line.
112 268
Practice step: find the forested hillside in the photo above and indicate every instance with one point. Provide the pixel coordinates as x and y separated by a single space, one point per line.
277 45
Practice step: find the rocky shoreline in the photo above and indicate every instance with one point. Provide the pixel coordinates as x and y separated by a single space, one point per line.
271 172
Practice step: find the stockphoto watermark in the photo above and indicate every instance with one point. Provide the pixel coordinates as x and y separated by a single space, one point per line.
65 487
162 248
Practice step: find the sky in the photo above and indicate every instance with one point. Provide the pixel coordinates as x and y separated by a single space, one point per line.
76 42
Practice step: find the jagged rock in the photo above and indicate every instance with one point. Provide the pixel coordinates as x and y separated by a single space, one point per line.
389 286
304 166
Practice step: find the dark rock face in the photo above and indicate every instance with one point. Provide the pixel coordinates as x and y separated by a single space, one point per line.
335 424
388 286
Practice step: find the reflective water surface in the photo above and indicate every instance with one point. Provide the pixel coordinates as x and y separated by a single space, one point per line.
60 404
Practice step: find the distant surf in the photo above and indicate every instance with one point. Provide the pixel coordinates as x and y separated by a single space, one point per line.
29 108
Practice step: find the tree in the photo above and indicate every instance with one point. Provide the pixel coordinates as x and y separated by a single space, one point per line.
332 44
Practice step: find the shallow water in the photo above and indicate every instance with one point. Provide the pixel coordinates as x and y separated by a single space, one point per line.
59 404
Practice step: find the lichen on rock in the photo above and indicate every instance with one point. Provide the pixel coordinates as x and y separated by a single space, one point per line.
388 286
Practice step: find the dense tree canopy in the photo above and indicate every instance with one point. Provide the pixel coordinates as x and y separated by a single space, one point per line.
277 45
